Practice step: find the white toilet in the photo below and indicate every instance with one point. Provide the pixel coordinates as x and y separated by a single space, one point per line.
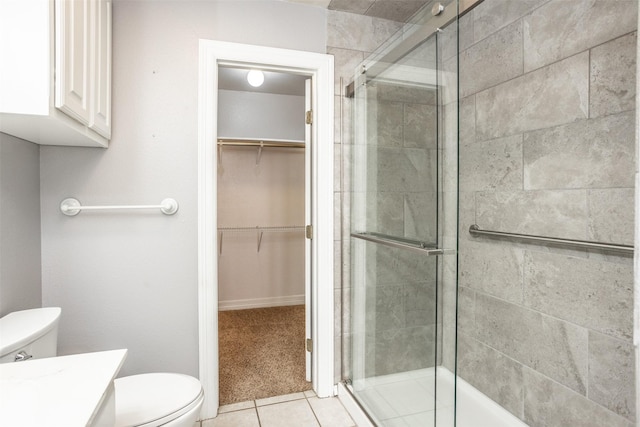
146 400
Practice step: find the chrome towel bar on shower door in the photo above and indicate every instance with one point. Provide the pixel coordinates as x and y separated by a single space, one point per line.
400 243
72 207
474 230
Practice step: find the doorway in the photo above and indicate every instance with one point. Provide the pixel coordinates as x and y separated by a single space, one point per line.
263 199
319 67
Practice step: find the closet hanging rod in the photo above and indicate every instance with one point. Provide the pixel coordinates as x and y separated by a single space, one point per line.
72 207
260 143
567 243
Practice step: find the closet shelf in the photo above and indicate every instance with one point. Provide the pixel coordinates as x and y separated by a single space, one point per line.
258 230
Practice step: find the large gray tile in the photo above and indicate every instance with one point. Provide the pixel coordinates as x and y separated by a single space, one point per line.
385 308
467 122
451 318
399 266
420 125
495 164
420 216
555 348
494 60
420 303
385 213
497 376
448 75
588 292
406 169
611 215
611 374
551 96
492 15
395 10
549 404
389 124
405 349
596 153
492 268
466 28
613 77
562 28
451 37
467 311
555 213
345 63
466 214
406 94
357 32
353 6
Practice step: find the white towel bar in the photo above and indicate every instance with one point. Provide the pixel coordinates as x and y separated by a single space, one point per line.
72 207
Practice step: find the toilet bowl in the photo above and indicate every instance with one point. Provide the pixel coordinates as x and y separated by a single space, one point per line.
146 400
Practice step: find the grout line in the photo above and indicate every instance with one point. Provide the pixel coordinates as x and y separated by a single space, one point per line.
255 407
313 412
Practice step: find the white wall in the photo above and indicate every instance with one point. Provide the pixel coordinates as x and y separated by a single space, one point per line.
126 279
270 194
260 115
20 273
267 194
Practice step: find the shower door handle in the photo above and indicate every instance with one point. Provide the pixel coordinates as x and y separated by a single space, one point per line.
402 243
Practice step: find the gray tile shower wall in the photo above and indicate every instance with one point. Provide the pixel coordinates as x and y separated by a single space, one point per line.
547 147
350 39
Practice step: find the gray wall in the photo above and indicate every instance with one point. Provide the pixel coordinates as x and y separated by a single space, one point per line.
547 147
20 273
260 115
129 280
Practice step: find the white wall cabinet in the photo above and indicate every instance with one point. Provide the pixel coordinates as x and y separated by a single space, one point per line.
55 81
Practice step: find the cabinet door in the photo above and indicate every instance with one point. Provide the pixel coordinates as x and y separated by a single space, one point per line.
73 37
100 120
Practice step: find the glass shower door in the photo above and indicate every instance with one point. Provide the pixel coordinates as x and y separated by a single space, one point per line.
404 229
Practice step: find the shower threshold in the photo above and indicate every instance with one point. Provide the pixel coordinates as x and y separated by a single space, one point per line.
401 400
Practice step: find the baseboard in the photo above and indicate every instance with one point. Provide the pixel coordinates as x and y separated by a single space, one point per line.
243 304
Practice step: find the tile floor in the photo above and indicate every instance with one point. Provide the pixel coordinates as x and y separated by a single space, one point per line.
291 410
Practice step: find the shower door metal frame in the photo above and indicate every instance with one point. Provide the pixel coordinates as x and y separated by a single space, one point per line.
376 68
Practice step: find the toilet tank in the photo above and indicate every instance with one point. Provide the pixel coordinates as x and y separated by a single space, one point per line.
34 332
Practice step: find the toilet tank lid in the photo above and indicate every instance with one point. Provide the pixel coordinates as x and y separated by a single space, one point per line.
20 328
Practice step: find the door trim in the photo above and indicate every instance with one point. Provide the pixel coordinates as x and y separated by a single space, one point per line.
320 67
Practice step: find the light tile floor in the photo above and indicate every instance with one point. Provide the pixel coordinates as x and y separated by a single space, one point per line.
291 410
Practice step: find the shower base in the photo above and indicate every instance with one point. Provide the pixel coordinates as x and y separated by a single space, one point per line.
407 400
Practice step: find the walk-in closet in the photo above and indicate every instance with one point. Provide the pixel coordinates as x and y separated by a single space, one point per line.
261 199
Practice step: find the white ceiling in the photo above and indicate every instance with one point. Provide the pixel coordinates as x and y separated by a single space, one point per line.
274 82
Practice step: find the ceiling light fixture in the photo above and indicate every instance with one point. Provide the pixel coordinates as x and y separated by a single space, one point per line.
255 78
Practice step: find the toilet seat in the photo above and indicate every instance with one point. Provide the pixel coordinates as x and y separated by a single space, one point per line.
150 400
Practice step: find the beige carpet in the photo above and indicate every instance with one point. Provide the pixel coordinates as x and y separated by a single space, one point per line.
262 353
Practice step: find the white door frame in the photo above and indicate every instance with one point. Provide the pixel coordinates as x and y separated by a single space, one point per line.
320 67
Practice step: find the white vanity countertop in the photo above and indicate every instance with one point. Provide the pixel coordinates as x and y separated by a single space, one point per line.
57 391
